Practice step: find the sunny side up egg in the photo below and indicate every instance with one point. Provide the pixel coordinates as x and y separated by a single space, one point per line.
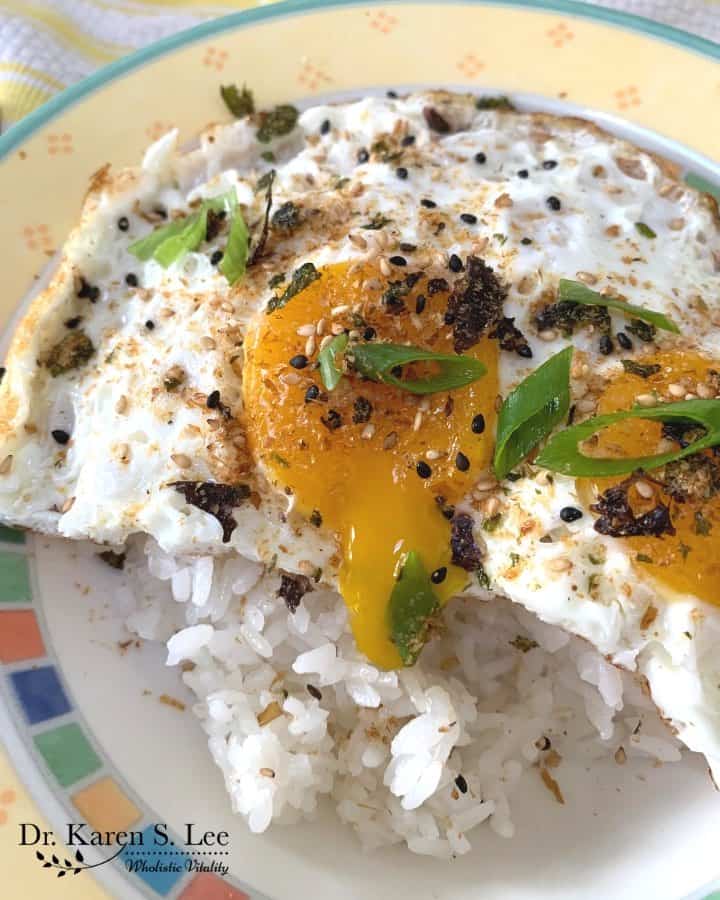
188 381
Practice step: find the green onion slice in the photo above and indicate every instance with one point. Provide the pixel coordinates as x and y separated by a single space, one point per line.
330 372
575 292
562 453
412 605
168 243
376 361
531 411
235 254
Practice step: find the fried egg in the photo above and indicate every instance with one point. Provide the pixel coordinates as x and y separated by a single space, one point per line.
140 398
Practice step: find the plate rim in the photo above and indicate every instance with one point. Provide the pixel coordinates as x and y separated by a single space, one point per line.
35 120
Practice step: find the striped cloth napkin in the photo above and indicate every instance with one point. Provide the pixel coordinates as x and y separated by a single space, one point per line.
46 45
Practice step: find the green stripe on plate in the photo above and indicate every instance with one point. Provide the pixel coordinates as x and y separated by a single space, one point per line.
11 535
67 753
702 184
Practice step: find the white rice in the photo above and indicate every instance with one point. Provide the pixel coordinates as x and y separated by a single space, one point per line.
388 747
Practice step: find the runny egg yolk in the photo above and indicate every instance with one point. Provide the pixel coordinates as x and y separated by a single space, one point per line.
687 562
350 456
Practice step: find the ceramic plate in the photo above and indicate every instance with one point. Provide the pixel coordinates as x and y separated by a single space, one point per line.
81 715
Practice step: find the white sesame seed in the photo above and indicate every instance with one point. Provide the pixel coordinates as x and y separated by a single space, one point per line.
417 421
290 378
644 489
676 390
490 506
646 400
586 277
320 327
398 545
358 240
354 334
559 564
690 396
67 505
548 334
181 460
337 328
325 341
121 405
340 310
368 431
586 405
384 266
207 342
306 330
488 483
390 441
310 345
705 391
424 404
433 454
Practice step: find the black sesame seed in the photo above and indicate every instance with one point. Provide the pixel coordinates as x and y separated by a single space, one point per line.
549 164
605 345
312 393
369 333
462 463
461 784
420 303
524 350
93 294
131 279
392 95
401 172
325 127
480 158
160 211
149 324
554 203
213 400
468 218
407 248
428 203
363 156
313 691
396 371
624 340
570 514
439 575
455 263
123 223
74 322
423 469
477 426
216 257
397 261
299 361
523 173
435 285
526 241
62 437
3 370
408 140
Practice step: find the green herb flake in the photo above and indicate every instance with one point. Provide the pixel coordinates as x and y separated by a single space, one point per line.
72 352
493 523
642 370
522 643
278 122
644 230
502 102
644 558
341 183
378 221
531 411
301 278
411 609
241 103
514 560
482 577
276 280
280 460
265 181
562 453
501 238
684 550
702 525
330 372
377 361
268 156
576 292
593 584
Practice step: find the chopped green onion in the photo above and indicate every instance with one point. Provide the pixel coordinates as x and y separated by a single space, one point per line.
235 254
168 243
412 605
241 103
531 411
376 361
575 292
329 370
562 453
644 230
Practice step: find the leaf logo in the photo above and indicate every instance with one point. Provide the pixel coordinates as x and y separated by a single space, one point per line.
66 866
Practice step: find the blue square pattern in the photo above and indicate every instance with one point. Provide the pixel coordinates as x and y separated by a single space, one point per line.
40 694
147 856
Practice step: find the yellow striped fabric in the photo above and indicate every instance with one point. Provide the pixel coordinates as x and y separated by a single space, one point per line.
45 45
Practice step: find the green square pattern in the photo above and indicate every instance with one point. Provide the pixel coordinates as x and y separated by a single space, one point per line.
68 753
14 578
11 535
